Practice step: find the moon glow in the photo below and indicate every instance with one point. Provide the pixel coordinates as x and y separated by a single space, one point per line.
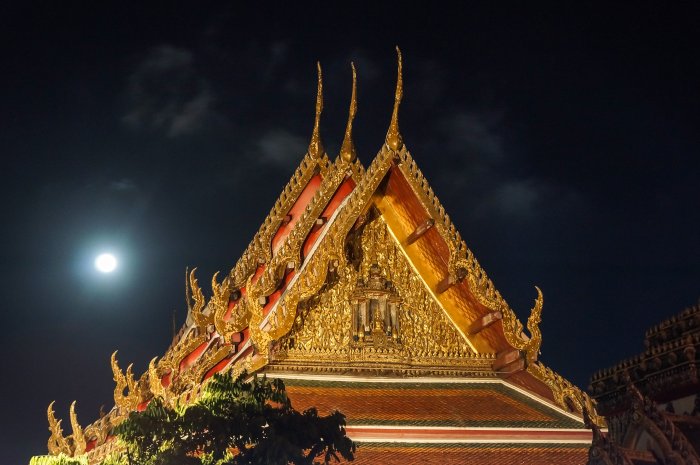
106 263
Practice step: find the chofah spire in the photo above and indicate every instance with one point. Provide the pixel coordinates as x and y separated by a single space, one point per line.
347 150
393 136
315 146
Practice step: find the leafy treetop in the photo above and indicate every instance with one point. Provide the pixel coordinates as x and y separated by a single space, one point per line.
234 422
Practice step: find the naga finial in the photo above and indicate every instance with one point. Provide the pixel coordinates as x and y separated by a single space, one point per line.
393 136
155 385
315 146
57 444
196 296
347 150
125 395
187 290
78 436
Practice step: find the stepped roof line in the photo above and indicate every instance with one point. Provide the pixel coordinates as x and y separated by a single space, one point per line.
300 248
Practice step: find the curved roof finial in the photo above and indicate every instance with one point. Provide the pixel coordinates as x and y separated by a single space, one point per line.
393 136
315 146
347 150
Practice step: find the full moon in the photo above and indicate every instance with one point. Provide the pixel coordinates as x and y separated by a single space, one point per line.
106 263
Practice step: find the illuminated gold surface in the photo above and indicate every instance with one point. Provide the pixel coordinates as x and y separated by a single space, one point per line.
218 307
481 287
310 326
57 444
259 251
280 320
322 329
347 149
393 136
125 395
315 146
78 437
195 309
155 384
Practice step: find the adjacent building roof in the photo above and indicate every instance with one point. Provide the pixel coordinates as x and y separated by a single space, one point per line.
652 400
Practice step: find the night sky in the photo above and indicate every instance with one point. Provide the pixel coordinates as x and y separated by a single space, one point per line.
562 140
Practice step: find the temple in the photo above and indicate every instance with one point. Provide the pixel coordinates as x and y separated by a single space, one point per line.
361 295
651 401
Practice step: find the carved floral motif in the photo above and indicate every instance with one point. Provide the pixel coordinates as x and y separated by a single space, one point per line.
325 324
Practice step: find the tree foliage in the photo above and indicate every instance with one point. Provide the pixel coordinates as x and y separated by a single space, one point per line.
235 422
60 459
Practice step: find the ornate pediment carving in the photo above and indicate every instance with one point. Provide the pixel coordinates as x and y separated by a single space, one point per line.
371 317
375 312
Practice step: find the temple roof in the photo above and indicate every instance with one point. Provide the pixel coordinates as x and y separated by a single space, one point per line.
651 400
665 370
427 402
483 454
334 227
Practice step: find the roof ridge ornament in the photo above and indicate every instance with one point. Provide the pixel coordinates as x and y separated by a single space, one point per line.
347 150
393 136
57 444
79 442
315 146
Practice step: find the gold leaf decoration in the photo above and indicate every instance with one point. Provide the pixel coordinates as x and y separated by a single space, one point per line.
566 394
347 148
155 385
57 444
322 330
315 146
197 297
125 395
78 436
219 303
393 137
532 348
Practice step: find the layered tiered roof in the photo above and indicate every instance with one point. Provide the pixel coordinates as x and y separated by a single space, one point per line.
667 368
360 293
652 400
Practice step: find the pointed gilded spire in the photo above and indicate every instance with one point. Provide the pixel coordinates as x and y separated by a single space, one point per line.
393 136
78 436
316 147
347 150
187 291
57 444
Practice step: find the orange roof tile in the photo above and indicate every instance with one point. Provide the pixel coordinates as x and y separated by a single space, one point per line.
455 404
481 454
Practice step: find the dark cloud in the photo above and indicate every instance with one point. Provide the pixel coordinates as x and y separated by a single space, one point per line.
475 134
277 55
487 172
518 200
125 185
279 148
167 93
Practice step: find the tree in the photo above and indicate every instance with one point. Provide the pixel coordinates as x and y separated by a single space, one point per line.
235 422
57 460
